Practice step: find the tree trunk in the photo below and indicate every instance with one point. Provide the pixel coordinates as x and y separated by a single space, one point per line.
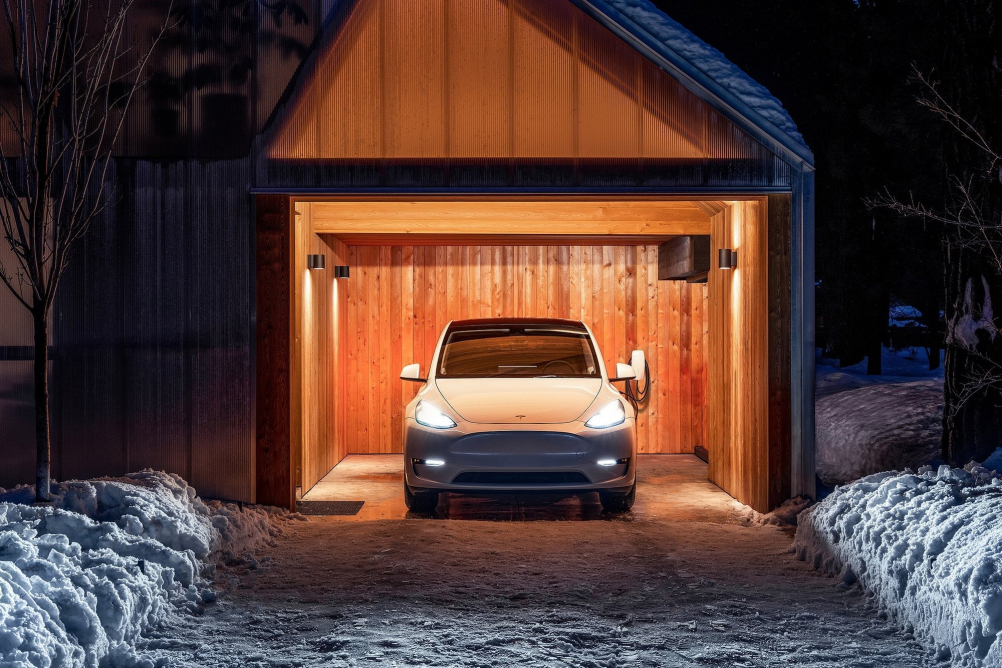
42 446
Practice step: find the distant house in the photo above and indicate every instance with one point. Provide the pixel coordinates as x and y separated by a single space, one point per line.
462 158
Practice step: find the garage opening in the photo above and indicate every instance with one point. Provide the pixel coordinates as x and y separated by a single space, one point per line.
416 264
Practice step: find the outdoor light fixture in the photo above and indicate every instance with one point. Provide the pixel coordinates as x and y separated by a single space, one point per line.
341 271
316 261
727 258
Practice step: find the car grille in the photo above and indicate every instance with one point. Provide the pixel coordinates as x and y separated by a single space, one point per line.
520 478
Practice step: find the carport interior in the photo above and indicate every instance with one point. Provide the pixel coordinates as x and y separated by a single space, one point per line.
416 264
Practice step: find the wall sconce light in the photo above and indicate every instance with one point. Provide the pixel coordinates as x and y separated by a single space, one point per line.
316 261
727 258
341 271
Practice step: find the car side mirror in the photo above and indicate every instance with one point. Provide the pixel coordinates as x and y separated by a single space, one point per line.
624 372
412 372
639 363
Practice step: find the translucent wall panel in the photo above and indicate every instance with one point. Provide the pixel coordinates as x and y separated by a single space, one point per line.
492 79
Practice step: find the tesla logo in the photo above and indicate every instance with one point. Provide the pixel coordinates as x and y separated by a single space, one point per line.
520 417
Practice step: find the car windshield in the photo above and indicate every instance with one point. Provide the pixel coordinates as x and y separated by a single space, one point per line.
517 351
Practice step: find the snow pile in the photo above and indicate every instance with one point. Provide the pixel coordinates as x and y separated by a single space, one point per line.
867 424
994 461
784 516
929 547
81 580
878 427
708 60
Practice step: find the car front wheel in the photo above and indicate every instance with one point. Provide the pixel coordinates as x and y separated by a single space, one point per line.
618 502
423 501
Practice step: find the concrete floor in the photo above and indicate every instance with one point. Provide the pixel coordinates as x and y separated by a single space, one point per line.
668 485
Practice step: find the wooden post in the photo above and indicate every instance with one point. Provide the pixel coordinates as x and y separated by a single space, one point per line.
274 472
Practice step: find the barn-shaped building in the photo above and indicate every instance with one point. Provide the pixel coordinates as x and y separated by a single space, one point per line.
463 158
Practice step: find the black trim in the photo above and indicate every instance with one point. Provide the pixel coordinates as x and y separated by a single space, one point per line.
520 478
20 353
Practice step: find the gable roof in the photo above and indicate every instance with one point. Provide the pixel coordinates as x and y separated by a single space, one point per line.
653 36
667 41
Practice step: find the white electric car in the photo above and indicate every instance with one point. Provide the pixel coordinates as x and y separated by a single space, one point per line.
518 405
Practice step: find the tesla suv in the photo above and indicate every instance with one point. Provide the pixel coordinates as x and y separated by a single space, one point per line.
515 405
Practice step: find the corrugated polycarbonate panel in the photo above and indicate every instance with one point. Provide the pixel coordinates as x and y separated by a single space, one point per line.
479 78
544 80
482 85
17 405
153 341
413 44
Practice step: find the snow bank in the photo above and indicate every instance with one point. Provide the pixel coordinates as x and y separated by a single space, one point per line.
927 545
82 579
708 60
878 427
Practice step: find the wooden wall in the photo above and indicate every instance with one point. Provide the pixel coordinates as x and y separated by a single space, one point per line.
319 404
399 298
738 347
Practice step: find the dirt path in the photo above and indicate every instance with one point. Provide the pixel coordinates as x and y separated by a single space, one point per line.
686 582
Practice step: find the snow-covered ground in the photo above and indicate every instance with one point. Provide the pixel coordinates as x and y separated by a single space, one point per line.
867 424
84 579
928 546
693 580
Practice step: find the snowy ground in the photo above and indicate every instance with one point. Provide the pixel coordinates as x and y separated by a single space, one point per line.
693 581
867 424
108 561
929 547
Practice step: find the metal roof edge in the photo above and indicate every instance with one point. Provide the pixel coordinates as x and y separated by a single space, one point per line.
697 81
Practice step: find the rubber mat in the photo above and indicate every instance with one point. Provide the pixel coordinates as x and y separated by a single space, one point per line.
329 507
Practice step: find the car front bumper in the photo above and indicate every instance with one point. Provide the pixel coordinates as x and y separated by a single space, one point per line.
520 458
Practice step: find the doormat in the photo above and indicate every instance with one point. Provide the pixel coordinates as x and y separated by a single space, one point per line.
329 507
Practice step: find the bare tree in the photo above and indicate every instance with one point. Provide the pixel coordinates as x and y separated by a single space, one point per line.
973 224
75 74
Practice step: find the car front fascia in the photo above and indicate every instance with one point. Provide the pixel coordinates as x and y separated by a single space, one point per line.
427 443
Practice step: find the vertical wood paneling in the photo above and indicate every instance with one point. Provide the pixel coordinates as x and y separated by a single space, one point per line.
319 356
738 386
493 79
400 299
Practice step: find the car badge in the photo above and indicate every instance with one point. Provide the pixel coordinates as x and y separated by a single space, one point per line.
520 417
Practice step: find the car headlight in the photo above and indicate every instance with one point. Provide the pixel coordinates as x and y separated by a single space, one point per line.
429 416
609 416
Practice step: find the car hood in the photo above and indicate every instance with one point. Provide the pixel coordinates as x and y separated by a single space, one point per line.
519 400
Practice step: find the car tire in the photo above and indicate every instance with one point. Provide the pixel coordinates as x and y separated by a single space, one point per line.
424 501
618 502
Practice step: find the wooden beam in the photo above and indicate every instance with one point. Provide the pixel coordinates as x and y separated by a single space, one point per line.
780 331
273 456
589 218
413 239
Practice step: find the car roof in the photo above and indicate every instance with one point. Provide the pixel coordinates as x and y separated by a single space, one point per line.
554 322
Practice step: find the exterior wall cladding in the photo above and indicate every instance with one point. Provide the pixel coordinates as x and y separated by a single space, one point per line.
153 361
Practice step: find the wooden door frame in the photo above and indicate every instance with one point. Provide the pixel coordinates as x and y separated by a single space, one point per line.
277 378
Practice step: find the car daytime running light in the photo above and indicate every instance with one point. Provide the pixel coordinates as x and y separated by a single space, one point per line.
430 462
429 416
612 462
609 416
